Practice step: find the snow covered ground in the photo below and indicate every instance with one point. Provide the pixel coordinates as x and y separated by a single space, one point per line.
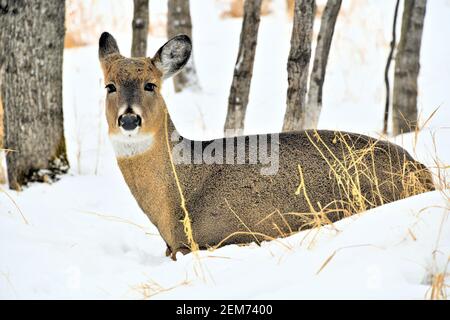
85 236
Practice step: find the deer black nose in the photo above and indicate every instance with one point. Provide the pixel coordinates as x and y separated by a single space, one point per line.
129 121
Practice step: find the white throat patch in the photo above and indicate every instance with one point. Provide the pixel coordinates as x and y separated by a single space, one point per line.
131 144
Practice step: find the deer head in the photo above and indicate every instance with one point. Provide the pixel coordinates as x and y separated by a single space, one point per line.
134 105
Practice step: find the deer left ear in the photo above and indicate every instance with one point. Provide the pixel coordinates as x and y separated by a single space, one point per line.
173 55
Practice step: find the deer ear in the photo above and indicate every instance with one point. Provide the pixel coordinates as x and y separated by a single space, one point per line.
107 45
173 55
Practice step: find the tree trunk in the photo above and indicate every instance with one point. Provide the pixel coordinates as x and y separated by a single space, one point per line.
317 78
2 171
298 64
31 57
179 22
407 66
243 70
388 66
140 28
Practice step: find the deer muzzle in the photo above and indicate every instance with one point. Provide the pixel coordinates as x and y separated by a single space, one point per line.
129 121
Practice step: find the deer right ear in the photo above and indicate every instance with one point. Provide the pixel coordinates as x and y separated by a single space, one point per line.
107 46
173 55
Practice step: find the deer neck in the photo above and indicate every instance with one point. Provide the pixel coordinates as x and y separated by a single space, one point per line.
147 172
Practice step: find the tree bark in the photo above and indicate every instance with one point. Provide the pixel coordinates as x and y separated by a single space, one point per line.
407 67
179 22
388 66
31 57
243 70
317 77
140 28
298 64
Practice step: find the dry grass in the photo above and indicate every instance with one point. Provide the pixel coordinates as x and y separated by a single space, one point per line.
193 246
236 8
10 284
151 288
438 276
86 20
440 168
328 260
348 170
438 287
81 22
242 222
15 205
251 233
290 7
119 220
351 170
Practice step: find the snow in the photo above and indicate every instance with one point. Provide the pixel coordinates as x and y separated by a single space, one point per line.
86 237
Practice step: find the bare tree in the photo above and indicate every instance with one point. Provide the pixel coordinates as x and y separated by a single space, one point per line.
298 64
140 28
243 70
407 67
179 22
388 66
317 77
31 56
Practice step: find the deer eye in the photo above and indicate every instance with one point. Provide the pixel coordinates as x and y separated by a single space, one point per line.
111 88
149 87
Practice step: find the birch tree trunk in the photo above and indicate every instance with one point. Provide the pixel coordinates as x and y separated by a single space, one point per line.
298 64
243 70
140 28
317 78
407 66
31 57
388 66
179 22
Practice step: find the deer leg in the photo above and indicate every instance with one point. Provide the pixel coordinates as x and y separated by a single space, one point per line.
184 251
168 251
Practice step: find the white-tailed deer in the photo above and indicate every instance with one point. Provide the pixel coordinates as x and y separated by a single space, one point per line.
319 177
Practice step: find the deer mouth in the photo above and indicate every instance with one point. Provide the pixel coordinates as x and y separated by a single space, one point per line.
131 143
